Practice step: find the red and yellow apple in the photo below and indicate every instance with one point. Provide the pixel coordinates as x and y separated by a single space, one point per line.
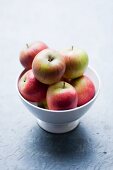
76 61
27 55
30 88
84 88
61 96
48 66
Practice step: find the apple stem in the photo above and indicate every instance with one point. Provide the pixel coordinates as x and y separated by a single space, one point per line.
63 84
50 58
27 45
72 47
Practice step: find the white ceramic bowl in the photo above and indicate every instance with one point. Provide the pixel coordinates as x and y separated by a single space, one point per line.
66 120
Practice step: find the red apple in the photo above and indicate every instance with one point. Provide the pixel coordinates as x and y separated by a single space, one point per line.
30 88
76 61
27 55
61 96
48 66
85 89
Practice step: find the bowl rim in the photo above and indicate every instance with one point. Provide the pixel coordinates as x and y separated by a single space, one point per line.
59 111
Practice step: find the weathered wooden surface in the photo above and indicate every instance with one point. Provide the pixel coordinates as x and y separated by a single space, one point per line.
86 24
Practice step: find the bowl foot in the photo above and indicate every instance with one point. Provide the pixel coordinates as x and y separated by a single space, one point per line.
58 128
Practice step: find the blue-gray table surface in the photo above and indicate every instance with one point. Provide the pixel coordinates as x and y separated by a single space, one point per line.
85 24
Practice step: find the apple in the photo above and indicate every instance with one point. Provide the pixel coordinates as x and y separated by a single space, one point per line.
30 88
43 104
85 89
61 96
48 66
27 55
76 61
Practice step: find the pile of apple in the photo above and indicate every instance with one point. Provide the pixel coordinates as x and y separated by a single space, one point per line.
53 79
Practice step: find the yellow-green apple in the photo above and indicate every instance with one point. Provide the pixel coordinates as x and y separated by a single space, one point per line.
30 88
61 96
43 104
27 54
85 89
48 66
76 62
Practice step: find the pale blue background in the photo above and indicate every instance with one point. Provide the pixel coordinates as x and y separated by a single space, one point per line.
60 23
